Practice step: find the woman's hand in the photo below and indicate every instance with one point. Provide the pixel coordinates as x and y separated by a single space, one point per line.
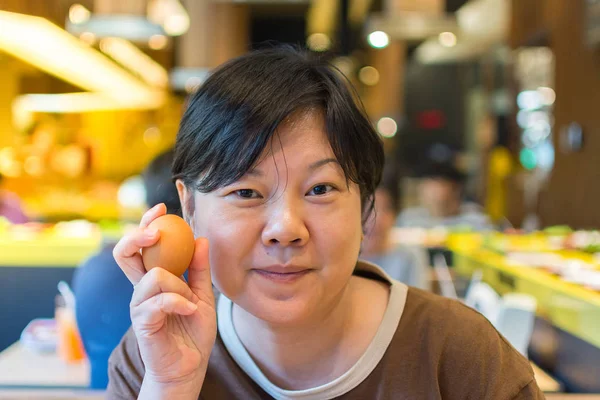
174 321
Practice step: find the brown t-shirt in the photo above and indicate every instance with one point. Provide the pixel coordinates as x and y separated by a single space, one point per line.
441 350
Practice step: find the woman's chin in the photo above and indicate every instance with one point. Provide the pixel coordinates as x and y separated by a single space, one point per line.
279 311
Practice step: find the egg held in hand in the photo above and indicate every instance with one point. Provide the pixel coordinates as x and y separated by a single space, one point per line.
175 248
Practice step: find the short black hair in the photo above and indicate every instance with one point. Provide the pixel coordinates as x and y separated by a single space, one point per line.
232 117
159 184
446 171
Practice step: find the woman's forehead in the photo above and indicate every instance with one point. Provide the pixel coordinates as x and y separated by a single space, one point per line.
301 141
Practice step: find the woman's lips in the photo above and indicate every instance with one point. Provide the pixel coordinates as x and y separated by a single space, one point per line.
282 277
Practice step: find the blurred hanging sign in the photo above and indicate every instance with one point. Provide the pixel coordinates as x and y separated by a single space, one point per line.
592 21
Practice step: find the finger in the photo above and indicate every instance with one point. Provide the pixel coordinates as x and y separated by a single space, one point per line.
199 272
159 280
157 211
151 313
127 252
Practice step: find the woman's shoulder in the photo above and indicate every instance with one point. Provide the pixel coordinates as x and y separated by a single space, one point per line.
454 343
451 325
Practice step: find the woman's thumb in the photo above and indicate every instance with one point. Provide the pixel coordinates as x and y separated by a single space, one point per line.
199 271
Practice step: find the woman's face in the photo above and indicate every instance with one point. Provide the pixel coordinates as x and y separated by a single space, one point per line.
285 238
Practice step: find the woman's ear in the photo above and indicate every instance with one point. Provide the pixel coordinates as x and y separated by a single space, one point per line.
186 199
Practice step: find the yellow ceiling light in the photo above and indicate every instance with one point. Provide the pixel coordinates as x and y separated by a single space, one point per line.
447 39
25 106
170 14
78 14
46 46
318 42
158 42
135 60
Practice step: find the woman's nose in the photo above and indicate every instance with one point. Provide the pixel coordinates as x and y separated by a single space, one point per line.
285 225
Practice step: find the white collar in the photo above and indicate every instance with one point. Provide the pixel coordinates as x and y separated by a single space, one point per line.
343 384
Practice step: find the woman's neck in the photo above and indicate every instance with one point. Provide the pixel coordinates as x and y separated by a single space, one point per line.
318 351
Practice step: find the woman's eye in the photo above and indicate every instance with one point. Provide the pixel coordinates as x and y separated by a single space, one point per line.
247 194
320 190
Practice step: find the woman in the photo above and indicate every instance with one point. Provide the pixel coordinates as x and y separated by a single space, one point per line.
276 168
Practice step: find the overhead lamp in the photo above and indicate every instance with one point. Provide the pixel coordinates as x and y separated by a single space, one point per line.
39 42
24 106
135 60
318 42
158 42
447 39
136 28
71 103
368 75
78 14
387 127
169 14
378 39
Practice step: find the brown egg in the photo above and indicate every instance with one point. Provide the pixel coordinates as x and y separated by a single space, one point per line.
174 249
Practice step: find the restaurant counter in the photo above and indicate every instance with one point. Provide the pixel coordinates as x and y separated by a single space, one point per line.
566 339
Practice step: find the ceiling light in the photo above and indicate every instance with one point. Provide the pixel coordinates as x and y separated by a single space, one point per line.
135 60
46 46
378 39
78 14
387 127
318 42
447 39
158 42
368 75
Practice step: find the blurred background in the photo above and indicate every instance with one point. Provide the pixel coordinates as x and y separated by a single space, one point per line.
487 109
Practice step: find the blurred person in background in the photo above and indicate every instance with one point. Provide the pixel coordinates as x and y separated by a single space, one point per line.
441 198
405 264
103 292
10 206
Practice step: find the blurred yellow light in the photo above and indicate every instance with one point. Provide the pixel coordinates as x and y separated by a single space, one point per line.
318 42
170 14
158 42
46 46
447 39
9 166
131 57
88 37
34 166
548 95
378 39
78 14
387 127
176 25
152 136
27 104
69 161
368 75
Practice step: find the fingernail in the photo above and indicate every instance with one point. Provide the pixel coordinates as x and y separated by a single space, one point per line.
151 233
191 306
155 207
